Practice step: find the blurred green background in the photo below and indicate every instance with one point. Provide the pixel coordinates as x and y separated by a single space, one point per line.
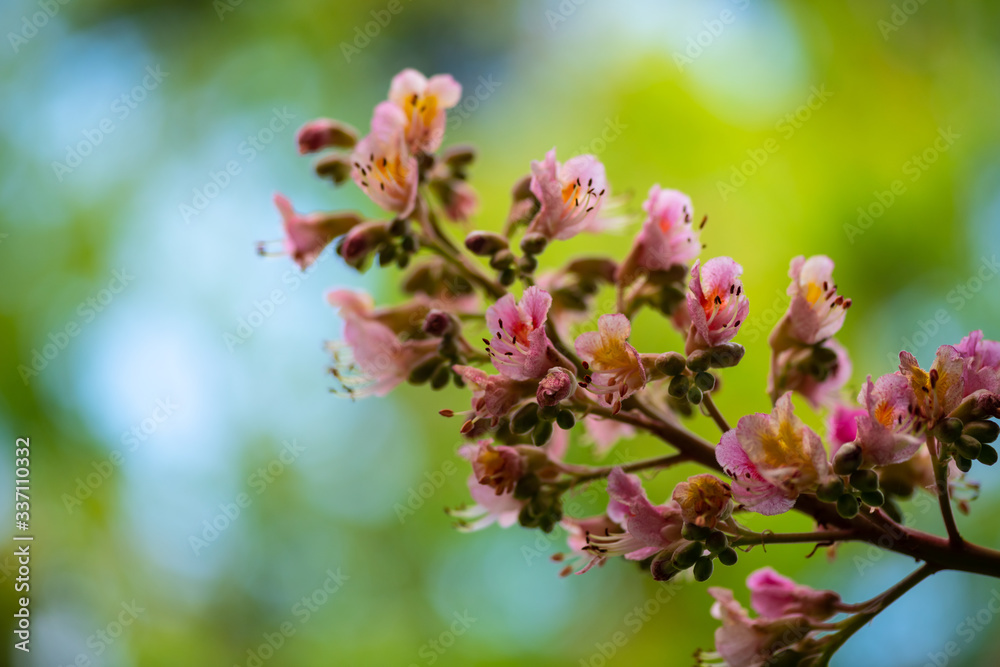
784 121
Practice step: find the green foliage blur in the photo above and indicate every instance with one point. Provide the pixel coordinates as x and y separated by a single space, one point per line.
199 497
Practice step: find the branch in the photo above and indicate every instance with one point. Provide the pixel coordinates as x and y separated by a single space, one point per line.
587 473
748 538
713 412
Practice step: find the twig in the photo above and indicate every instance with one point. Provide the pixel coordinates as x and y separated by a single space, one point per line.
714 412
944 497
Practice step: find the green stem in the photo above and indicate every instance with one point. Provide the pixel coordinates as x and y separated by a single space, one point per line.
714 412
748 538
944 497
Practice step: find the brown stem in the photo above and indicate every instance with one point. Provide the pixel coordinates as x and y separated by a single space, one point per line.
944 497
586 473
714 413
875 529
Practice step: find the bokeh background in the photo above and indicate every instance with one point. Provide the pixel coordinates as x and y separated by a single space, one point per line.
156 413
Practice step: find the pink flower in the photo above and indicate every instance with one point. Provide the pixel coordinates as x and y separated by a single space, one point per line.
306 236
377 360
518 344
497 467
649 528
704 500
982 363
570 194
424 103
886 428
774 596
382 164
816 312
668 236
716 303
615 368
745 642
490 508
772 458
325 133
796 370
605 433
493 396
842 426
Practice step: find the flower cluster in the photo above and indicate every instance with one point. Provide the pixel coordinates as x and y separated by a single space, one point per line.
531 383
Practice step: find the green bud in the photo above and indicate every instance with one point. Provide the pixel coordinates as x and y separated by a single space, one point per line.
948 430
984 432
698 361
398 227
678 386
542 433
687 556
847 459
987 455
728 556
549 412
847 506
704 381
502 259
403 260
508 276
873 498
533 244
566 419
695 533
440 378
865 480
386 254
527 486
524 419
670 363
703 569
830 491
409 243
662 568
717 542
968 447
485 244
528 263
695 395
726 355
423 372
963 464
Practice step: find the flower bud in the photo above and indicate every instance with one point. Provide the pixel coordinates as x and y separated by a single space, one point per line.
699 360
847 459
542 433
502 259
662 567
949 430
873 498
728 556
688 555
557 385
703 568
524 420
726 355
987 455
694 532
830 491
847 506
968 447
670 363
325 133
485 244
533 244
864 480
439 323
678 386
361 241
334 167
423 372
440 378
522 189
695 395
983 431
705 381
458 158
717 542
962 463
566 419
